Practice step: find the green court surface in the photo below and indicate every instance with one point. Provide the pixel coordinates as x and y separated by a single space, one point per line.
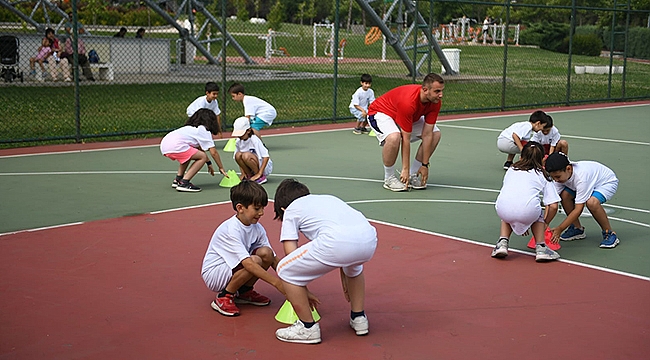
57 188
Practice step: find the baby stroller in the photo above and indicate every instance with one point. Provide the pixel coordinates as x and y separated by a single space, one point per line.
9 58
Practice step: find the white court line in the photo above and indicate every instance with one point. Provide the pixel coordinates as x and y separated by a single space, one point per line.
566 136
444 122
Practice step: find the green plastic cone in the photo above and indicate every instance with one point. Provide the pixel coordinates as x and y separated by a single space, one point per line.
230 145
231 180
372 132
286 315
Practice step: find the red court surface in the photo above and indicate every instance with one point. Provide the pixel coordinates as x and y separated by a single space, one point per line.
130 288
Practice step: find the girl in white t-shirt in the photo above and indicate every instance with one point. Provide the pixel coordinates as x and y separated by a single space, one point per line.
250 153
183 145
519 206
340 237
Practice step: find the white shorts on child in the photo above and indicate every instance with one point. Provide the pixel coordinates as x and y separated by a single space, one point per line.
218 277
507 146
300 267
387 126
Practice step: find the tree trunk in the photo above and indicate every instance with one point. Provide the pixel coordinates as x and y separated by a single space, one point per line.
349 14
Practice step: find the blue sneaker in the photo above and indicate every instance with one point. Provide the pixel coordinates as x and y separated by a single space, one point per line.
573 233
610 240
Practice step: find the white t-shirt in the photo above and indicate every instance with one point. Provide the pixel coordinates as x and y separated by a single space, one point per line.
254 144
362 98
330 224
202 103
233 242
256 107
550 139
587 177
523 129
180 140
518 202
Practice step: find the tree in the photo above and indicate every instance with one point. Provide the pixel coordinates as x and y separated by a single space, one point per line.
276 16
242 11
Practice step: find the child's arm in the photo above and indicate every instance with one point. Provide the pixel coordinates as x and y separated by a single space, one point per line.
363 111
219 124
549 213
289 246
217 159
517 141
257 271
260 172
570 218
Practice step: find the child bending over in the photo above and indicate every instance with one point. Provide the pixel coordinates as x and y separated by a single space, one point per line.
513 138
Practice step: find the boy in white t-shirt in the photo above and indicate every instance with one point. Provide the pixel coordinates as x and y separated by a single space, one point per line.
361 99
250 153
188 143
580 184
550 139
209 101
259 112
239 253
339 237
513 138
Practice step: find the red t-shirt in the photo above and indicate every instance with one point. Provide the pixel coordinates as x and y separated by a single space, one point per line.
404 106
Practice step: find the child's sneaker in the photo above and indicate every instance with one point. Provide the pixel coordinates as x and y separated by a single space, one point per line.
610 240
252 297
357 131
364 130
501 249
187 186
360 325
225 305
298 333
261 180
394 184
415 181
543 253
573 233
507 165
176 182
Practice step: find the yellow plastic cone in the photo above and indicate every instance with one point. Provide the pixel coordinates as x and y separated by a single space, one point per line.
372 132
286 315
230 145
231 180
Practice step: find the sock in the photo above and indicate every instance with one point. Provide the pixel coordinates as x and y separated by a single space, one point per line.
244 289
542 245
415 166
389 171
224 292
308 324
179 178
354 314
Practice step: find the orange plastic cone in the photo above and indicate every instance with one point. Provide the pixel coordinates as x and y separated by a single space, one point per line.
548 234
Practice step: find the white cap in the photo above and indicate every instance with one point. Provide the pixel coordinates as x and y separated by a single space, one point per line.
240 126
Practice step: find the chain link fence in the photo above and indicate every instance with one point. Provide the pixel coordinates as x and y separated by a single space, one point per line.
133 81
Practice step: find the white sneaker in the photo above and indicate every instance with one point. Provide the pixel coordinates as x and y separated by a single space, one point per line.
501 249
544 253
394 184
415 181
360 325
298 333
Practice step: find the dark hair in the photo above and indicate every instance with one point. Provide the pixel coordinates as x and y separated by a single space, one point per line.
431 78
211 86
248 193
531 158
557 161
542 117
49 31
236 88
140 31
205 117
366 78
288 191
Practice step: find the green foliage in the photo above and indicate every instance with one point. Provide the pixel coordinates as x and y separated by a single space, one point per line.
639 43
548 36
276 16
242 11
584 44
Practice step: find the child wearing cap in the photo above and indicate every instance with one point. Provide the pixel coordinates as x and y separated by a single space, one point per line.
582 183
513 138
250 153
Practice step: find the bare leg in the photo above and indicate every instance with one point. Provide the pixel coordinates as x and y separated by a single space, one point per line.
390 149
357 292
506 230
538 229
297 296
200 158
562 146
568 204
598 212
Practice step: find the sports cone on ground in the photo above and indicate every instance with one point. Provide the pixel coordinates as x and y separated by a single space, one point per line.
286 315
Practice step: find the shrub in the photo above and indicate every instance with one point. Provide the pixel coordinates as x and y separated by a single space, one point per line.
585 44
549 36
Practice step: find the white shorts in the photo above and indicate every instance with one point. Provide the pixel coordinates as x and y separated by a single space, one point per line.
269 167
507 146
218 277
300 267
384 125
520 219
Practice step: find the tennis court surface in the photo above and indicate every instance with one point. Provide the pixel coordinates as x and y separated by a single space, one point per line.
100 258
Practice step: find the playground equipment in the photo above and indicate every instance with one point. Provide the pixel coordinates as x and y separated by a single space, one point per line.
373 35
270 48
329 45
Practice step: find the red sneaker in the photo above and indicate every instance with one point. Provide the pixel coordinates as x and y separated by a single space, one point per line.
253 298
225 305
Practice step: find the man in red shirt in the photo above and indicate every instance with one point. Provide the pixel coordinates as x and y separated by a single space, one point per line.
403 115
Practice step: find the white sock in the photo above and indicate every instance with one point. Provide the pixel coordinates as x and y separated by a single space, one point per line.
389 171
415 166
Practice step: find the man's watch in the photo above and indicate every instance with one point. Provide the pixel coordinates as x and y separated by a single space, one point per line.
425 165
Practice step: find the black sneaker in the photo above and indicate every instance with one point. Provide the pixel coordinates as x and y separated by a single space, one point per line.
357 131
177 181
507 165
187 186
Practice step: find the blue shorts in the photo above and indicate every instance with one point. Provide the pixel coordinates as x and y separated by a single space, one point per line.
595 194
357 114
257 123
